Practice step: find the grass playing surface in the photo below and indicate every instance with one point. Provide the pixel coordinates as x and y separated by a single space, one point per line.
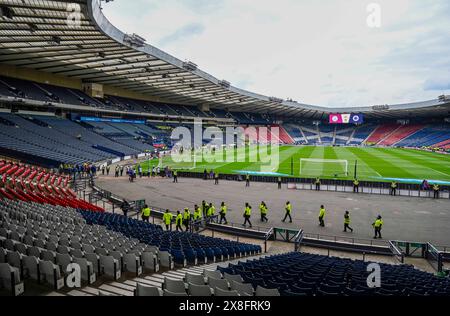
374 164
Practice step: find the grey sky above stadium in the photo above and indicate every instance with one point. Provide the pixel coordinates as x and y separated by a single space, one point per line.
317 52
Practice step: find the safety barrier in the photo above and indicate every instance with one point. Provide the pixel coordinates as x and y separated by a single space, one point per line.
259 234
364 246
434 257
398 249
334 185
398 254
298 239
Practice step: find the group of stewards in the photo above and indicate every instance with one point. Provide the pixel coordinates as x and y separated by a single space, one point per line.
208 211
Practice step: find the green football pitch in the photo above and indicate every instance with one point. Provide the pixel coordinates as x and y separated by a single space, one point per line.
373 164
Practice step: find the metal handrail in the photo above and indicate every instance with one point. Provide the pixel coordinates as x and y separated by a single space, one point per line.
397 252
351 240
298 240
437 256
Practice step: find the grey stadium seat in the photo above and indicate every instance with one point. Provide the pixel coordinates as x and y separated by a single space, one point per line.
95 260
31 267
150 261
110 267
194 279
22 248
199 290
51 274
10 279
213 274
233 277
133 263
35 252
168 293
220 292
218 283
174 286
260 291
63 260
242 288
142 290
166 260
87 270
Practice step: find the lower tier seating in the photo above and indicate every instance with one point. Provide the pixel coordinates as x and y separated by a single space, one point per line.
301 274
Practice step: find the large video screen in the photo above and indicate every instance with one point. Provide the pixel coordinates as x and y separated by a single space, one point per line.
346 118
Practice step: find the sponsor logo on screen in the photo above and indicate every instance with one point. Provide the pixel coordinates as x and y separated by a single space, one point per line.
346 119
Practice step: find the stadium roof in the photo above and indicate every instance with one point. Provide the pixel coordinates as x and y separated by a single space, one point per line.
45 35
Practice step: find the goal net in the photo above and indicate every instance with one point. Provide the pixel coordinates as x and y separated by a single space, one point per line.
323 168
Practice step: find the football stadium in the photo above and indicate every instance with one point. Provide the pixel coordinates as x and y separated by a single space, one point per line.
127 171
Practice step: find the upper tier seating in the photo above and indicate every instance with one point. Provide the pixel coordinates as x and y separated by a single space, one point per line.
31 138
62 141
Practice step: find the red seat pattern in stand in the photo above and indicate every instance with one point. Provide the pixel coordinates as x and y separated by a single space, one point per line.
49 188
444 144
381 132
284 136
6 194
400 134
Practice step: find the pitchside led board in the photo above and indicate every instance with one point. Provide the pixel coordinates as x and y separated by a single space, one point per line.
346 118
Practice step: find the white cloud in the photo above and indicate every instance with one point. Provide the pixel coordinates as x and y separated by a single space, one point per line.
317 52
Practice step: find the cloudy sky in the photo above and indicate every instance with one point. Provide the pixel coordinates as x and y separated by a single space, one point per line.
316 52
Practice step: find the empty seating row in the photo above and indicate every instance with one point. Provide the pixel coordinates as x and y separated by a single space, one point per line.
300 274
210 283
184 247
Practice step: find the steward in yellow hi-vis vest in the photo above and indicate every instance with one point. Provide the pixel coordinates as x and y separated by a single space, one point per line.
393 188
186 218
288 209
264 210
322 214
179 221
356 186
317 183
347 222
247 215
167 219
146 214
378 225
436 191
197 213
223 213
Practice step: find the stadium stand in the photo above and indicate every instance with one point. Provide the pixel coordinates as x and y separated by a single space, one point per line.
284 136
31 184
45 226
295 133
429 136
381 133
41 240
361 133
342 135
301 274
401 133
184 247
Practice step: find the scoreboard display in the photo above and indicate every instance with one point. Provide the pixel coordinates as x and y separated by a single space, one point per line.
351 118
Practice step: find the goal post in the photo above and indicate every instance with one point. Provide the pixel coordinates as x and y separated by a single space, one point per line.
323 167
